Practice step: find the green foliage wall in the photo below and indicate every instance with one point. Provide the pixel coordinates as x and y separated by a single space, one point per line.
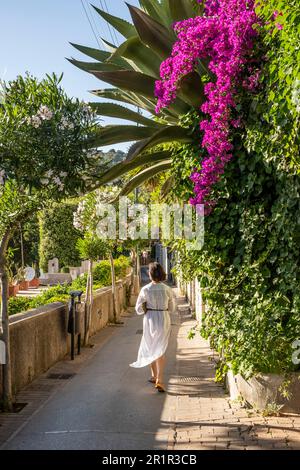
249 268
58 237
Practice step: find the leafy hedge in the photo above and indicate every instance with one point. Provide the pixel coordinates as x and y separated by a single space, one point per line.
249 268
61 293
58 237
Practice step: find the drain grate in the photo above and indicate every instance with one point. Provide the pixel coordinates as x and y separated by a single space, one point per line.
139 332
60 376
191 379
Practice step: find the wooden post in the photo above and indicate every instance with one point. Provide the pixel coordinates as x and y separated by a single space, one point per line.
22 246
113 287
88 303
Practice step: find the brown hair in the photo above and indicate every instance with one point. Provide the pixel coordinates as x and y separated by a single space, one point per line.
157 272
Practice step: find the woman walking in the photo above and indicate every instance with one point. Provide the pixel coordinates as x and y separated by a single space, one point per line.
156 301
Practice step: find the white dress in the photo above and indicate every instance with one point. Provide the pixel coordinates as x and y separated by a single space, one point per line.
156 323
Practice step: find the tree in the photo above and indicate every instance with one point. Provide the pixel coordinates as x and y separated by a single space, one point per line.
91 248
58 236
45 154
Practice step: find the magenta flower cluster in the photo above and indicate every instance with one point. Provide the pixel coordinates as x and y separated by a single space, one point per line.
224 38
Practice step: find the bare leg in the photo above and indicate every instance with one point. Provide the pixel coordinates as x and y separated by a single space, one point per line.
154 370
160 369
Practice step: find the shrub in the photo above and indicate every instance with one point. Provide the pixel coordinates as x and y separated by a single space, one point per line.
18 305
80 282
61 293
121 265
102 273
58 237
65 270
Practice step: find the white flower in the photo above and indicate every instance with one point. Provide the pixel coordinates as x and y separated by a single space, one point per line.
45 113
66 124
58 183
36 121
44 181
2 175
49 173
77 222
93 154
296 95
87 111
63 174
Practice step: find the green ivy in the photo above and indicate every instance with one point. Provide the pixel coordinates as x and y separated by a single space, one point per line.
249 268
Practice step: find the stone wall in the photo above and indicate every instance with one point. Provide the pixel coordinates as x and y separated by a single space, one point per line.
264 391
39 338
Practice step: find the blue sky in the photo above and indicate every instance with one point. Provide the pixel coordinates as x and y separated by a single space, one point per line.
35 36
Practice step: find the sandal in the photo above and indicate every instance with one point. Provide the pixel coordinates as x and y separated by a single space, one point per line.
159 388
152 380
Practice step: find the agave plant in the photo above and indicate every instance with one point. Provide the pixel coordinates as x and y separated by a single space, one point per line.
132 69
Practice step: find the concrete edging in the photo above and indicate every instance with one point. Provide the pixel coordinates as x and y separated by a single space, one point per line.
263 390
39 337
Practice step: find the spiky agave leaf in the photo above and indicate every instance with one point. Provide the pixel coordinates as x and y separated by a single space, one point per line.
144 176
127 165
132 69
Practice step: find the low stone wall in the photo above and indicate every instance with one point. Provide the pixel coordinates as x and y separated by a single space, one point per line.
39 338
264 390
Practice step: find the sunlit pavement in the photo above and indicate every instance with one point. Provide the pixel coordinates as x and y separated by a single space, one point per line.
105 404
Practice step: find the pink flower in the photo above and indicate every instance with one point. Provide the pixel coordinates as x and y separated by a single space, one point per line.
276 14
279 26
225 36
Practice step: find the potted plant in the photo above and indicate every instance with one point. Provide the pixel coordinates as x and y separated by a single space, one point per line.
34 283
23 284
13 286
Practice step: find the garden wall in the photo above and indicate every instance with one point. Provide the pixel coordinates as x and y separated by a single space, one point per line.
263 391
39 338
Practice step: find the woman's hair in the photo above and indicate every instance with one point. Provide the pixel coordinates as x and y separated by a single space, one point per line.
157 272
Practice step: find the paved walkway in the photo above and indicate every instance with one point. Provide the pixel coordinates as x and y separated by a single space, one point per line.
107 405
32 291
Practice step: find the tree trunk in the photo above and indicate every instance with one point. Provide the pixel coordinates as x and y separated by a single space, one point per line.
138 264
113 287
88 303
22 246
7 399
134 268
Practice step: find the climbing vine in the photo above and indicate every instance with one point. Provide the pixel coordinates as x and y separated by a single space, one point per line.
249 267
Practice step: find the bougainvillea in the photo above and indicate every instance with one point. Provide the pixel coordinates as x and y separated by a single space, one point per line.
224 36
